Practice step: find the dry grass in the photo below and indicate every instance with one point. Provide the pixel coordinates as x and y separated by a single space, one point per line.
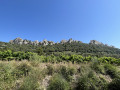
41 78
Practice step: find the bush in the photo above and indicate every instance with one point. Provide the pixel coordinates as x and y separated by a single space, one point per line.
29 83
57 82
111 70
50 69
90 82
34 57
67 72
6 77
114 85
5 72
98 68
22 70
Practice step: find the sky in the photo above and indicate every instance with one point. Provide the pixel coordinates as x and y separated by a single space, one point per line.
54 20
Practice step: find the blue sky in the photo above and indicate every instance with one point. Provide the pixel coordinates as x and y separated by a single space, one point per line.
55 20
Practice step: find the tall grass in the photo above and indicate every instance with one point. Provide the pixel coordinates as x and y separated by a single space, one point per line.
24 75
57 82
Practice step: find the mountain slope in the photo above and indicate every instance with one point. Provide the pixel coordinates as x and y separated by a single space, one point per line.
94 48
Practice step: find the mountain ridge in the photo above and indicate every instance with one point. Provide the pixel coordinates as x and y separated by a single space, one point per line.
46 42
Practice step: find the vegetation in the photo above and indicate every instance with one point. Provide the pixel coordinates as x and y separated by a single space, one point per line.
24 75
70 48
73 66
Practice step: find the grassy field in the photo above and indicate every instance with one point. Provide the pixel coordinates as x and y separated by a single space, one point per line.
33 75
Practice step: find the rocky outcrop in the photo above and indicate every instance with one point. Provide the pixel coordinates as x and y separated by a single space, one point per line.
25 41
20 41
45 42
69 41
17 41
95 42
36 42
51 43
63 41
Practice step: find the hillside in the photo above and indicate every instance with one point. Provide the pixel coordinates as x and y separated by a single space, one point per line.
31 75
94 48
67 65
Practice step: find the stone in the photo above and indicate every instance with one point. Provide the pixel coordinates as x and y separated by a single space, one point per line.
44 42
18 41
95 42
36 42
63 41
70 40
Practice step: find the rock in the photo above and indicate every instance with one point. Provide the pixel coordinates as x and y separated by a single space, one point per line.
70 40
95 42
31 43
25 41
51 43
44 42
63 41
18 41
36 42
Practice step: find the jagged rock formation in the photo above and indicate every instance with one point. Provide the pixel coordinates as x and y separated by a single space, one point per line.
63 41
36 42
95 42
45 42
69 41
51 42
20 41
17 41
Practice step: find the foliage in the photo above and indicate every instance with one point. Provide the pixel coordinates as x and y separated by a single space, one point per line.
111 70
74 47
115 84
74 58
30 83
22 70
67 72
90 82
58 83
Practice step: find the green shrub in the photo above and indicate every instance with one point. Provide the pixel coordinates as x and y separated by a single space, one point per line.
6 72
114 85
29 83
22 70
57 82
6 77
34 57
90 82
67 72
98 67
50 69
83 70
111 70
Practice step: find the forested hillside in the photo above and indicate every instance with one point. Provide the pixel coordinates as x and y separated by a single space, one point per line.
94 48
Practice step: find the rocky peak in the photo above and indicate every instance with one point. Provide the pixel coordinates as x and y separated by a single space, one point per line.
25 41
95 42
63 41
70 40
44 42
36 42
18 41
51 42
